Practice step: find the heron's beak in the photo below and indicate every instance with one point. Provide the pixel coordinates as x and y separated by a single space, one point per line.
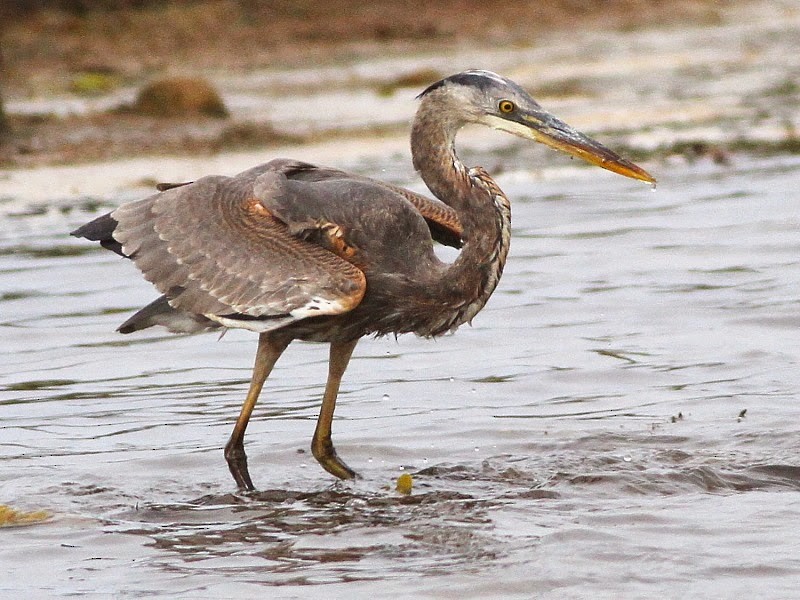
543 127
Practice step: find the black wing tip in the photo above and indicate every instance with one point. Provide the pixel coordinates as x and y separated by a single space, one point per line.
163 187
84 231
97 229
141 319
101 230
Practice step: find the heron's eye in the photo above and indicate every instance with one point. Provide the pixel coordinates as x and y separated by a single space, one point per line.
506 106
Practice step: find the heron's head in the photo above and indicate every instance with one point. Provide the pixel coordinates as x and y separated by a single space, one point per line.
489 99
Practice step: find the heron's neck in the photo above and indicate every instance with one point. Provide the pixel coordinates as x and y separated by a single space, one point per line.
434 156
482 208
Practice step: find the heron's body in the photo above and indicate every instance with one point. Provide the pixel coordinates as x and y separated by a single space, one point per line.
296 251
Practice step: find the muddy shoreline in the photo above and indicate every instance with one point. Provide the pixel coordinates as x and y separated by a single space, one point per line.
124 49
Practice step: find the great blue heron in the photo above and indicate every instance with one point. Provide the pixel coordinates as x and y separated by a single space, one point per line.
293 251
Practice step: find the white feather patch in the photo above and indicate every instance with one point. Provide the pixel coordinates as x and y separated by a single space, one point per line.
317 306
510 127
254 325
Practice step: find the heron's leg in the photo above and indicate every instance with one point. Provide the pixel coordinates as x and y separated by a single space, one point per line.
269 350
321 444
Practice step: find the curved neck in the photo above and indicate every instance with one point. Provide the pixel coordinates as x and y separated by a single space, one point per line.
434 156
484 212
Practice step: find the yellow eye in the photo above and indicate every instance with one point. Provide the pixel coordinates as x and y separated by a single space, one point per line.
506 106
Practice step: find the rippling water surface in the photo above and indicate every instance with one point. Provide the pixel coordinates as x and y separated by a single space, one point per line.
620 421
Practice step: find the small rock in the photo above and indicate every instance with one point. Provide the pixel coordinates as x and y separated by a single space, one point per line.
179 97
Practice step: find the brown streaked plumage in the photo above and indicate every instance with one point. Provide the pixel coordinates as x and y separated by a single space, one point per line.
296 251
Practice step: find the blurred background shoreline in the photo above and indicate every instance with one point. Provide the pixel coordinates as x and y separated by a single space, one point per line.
73 70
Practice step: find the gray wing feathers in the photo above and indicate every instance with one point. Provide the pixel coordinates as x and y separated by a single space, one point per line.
213 249
269 183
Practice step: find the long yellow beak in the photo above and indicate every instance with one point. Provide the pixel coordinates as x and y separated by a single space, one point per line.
561 136
541 126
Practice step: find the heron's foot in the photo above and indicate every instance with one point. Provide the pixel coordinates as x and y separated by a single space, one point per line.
237 464
325 453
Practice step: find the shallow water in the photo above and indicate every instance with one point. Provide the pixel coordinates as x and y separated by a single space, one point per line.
620 421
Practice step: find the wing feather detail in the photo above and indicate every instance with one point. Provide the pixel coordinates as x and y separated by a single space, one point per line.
442 219
214 250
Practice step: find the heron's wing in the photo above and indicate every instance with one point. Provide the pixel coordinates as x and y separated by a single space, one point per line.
214 250
442 220
360 220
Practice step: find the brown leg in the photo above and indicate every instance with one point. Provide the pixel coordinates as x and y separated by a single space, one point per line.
269 350
321 444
